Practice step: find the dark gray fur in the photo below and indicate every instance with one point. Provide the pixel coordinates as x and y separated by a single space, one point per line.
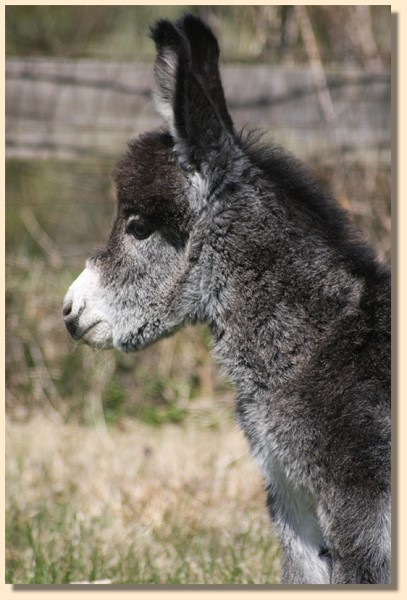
243 238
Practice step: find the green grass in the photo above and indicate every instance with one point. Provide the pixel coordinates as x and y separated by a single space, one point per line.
175 505
176 558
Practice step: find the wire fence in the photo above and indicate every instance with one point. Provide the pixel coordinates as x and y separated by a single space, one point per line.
74 108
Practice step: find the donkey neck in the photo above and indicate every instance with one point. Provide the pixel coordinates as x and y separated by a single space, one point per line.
269 319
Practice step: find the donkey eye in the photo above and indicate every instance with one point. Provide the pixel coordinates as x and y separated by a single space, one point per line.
139 228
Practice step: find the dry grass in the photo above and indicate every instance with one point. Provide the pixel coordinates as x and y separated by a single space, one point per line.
134 504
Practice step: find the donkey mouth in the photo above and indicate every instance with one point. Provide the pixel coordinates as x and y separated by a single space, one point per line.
80 334
76 332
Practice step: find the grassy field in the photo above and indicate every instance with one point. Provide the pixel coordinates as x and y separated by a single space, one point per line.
135 504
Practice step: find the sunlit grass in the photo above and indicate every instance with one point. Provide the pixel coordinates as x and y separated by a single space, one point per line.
173 505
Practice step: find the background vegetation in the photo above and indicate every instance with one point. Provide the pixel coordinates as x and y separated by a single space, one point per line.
354 35
129 468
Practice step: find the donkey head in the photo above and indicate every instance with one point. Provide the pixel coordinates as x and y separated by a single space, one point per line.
150 279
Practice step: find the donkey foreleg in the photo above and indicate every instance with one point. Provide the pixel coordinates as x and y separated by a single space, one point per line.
306 559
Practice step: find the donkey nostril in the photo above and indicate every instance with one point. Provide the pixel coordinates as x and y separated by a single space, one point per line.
67 309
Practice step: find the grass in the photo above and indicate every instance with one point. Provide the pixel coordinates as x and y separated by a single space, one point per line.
132 504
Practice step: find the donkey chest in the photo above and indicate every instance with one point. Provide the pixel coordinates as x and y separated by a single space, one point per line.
273 444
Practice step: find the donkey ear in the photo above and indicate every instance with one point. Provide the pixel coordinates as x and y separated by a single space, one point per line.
189 92
204 61
172 49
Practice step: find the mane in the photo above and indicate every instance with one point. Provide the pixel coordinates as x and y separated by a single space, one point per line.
304 196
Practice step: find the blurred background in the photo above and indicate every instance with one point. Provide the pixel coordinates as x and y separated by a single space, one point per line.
78 86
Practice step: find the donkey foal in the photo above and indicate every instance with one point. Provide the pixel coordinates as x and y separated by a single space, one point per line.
212 227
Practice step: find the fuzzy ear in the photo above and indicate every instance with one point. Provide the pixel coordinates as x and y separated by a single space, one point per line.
172 49
189 92
204 60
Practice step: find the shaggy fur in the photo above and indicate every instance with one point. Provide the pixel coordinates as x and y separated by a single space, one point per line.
213 227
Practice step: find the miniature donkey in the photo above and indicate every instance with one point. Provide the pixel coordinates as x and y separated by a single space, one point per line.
212 227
